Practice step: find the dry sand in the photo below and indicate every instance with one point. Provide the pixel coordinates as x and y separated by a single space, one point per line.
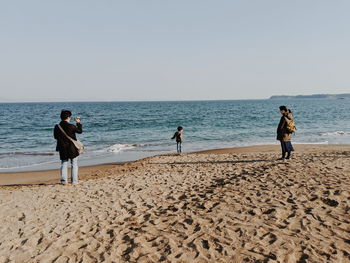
231 205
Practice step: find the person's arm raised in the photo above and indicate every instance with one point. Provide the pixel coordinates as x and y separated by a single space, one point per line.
79 126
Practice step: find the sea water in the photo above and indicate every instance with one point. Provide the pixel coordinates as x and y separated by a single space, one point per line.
126 131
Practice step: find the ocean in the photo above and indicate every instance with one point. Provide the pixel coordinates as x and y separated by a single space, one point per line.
127 131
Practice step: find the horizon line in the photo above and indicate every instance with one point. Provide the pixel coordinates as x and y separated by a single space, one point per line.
69 101
7 100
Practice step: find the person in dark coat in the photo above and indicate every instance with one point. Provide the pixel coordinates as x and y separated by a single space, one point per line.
65 147
283 134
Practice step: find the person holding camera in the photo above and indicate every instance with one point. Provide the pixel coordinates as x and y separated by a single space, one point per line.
64 133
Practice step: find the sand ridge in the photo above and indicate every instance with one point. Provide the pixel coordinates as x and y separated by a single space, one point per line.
230 207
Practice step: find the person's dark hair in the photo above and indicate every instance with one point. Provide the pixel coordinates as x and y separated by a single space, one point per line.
65 114
284 108
179 128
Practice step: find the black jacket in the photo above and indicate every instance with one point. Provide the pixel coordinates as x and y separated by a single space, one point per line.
178 136
64 146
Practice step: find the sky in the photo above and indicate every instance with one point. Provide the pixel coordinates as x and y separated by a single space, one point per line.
111 50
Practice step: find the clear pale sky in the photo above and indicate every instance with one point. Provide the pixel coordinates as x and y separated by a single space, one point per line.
172 50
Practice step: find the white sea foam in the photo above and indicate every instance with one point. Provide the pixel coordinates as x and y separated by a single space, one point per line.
32 165
121 147
336 133
316 143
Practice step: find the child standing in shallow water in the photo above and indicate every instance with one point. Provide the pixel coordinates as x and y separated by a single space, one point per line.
179 139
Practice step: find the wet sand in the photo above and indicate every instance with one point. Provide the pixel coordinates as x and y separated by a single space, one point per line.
227 205
45 177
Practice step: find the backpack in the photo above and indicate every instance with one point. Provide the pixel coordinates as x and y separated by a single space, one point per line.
291 126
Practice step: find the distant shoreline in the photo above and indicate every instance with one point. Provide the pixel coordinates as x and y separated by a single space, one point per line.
314 96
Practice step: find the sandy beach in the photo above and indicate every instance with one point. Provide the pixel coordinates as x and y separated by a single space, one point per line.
227 205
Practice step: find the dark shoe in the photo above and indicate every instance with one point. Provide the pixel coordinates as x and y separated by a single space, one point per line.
280 159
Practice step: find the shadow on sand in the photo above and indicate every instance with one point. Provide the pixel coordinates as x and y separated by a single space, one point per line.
27 185
214 162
